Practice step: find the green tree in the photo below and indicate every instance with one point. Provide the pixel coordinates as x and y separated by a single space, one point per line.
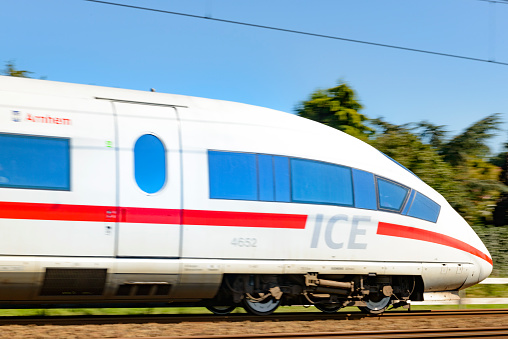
434 135
500 214
466 180
10 70
468 153
496 240
337 107
398 142
472 143
480 180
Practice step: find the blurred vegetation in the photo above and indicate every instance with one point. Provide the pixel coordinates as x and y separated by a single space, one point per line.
478 291
487 291
496 240
337 107
460 167
11 70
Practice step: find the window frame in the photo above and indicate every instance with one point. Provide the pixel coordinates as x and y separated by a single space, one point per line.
67 172
404 201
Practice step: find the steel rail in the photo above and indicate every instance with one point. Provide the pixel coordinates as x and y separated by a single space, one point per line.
240 317
479 332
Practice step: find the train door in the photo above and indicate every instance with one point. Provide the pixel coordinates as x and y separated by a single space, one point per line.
149 181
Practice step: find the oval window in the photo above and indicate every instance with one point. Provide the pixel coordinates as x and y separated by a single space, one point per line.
149 163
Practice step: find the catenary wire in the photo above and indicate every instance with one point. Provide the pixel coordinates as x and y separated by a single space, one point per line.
496 1
300 32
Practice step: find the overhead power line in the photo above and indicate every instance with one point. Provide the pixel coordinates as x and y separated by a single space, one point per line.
300 32
496 2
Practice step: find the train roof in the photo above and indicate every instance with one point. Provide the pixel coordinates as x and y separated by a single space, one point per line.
338 147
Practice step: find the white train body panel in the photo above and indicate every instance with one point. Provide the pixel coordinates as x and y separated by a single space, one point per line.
185 234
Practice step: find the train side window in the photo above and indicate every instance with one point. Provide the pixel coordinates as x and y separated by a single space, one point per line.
273 176
232 175
321 183
266 178
409 202
282 186
34 162
149 163
364 189
424 208
391 195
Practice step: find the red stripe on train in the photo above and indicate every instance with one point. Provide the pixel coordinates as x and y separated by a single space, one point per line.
37 211
407 232
244 219
149 215
40 211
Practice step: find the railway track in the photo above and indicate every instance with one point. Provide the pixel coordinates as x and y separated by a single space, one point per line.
277 326
494 332
238 317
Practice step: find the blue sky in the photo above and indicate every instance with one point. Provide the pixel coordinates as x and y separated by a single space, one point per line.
89 43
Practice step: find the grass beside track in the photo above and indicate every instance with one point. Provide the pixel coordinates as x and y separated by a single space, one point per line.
487 291
201 310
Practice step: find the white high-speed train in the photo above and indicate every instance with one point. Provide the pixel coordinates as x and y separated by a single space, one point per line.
112 196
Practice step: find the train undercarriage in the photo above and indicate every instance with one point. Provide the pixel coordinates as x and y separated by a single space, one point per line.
263 294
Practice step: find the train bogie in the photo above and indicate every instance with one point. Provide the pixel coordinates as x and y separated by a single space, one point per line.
116 196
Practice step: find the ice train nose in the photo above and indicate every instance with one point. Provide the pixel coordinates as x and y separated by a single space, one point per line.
484 269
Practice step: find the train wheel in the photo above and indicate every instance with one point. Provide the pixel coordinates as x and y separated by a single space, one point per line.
328 308
263 307
375 306
220 310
